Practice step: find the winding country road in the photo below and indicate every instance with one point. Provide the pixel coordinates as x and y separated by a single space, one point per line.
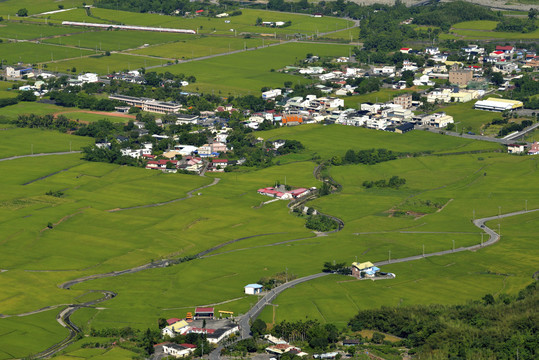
63 317
271 295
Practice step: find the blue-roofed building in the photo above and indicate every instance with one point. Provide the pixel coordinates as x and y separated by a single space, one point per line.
253 289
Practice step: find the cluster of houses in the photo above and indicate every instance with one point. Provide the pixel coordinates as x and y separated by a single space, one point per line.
279 347
523 149
203 322
280 192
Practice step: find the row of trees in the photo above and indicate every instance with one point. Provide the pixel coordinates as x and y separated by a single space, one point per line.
83 101
60 123
367 157
506 327
394 182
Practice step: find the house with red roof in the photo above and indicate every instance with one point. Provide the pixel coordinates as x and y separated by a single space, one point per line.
178 350
218 165
534 149
405 50
505 49
162 165
282 194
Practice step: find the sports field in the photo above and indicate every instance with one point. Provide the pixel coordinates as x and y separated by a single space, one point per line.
88 116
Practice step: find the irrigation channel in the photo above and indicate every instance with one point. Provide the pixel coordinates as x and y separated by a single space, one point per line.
64 316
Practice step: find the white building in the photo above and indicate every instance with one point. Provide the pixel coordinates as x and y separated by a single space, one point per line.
178 351
253 289
271 94
88 78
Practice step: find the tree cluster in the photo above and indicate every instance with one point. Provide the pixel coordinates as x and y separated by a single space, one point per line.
321 223
318 336
493 328
60 123
83 101
512 127
368 157
514 24
394 182
338 268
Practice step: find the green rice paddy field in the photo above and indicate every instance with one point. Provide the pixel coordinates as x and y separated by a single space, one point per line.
33 53
249 72
10 7
89 239
304 24
483 29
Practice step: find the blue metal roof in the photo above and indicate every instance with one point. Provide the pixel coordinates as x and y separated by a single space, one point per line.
256 286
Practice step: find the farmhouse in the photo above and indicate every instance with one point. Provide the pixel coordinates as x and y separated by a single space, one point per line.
367 268
516 148
174 327
281 193
178 350
253 289
534 149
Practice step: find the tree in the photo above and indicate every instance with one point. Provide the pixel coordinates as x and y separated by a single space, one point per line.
258 21
378 338
532 14
258 327
497 78
22 12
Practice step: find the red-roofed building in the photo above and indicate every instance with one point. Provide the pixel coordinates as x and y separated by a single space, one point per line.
405 50
172 321
190 346
161 164
204 313
505 49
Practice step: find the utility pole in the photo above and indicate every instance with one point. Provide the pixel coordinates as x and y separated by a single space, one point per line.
423 250
453 245
389 257
499 210
499 231
482 239
473 216
526 207
32 149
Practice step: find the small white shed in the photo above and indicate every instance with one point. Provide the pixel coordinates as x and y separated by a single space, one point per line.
253 289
